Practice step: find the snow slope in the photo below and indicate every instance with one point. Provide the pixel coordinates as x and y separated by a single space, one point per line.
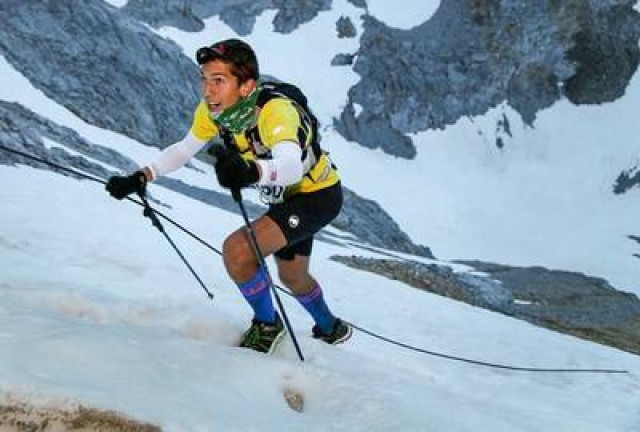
95 306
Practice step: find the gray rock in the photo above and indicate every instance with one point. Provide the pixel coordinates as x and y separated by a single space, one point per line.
24 130
605 52
571 302
369 222
173 13
472 55
359 3
342 60
292 14
626 180
532 88
240 15
438 279
487 293
503 129
636 239
108 69
371 131
188 15
345 28
568 302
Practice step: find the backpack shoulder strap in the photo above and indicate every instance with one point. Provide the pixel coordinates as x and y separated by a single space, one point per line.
226 135
271 89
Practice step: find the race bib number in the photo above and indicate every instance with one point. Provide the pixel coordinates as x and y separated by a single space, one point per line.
271 194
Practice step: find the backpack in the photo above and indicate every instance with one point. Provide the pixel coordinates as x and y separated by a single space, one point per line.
273 89
270 90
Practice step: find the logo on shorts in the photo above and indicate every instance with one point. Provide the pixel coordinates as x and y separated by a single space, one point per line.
294 221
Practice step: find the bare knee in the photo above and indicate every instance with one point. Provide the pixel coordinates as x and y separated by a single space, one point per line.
239 258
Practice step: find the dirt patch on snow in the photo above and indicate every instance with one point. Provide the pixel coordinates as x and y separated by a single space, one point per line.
20 417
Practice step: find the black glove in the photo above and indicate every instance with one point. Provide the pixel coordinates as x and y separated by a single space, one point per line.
232 170
121 186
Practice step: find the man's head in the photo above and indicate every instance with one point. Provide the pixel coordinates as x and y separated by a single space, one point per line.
236 53
229 71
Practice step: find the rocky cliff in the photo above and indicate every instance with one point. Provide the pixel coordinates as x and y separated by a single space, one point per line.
106 68
583 306
474 54
240 15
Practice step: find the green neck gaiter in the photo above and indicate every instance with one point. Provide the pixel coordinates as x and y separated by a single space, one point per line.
241 115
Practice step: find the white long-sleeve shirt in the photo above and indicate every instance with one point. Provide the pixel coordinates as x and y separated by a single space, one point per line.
284 168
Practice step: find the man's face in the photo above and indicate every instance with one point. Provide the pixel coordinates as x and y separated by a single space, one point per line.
221 88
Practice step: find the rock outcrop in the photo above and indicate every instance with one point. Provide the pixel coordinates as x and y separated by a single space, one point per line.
568 302
240 15
474 54
108 69
626 180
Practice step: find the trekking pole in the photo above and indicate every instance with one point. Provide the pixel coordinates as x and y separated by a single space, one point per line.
237 197
150 213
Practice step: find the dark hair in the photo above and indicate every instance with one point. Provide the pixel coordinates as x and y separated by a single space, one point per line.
235 52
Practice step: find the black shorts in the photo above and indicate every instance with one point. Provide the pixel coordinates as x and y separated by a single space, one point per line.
303 215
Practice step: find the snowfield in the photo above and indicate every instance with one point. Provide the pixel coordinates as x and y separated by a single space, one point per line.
97 309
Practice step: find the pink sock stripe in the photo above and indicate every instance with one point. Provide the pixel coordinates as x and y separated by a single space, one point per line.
255 285
250 291
315 292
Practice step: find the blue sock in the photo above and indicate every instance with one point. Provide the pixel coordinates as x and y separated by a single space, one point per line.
256 292
314 303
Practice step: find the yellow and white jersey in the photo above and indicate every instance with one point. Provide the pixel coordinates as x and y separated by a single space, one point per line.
277 121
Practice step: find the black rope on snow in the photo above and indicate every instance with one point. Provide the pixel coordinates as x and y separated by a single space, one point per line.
363 330
101 181
482 363
148 210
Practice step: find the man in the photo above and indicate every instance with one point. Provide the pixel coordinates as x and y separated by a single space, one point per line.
270 141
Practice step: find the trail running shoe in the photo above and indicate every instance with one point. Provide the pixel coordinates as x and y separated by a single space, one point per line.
263 337
340 333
